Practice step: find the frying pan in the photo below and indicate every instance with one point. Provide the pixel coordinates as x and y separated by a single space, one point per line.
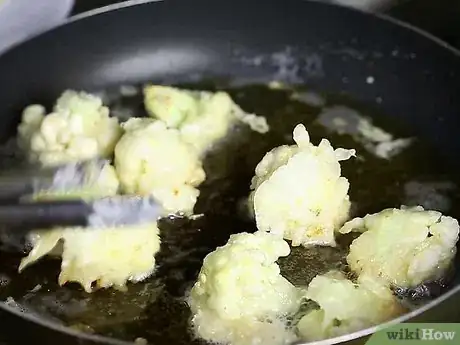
409 76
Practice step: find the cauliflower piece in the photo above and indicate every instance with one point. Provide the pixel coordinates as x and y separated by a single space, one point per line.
240 296
202 117
345 307
32 118
79 128
405 247
106 257
216 116
297 191
151 159
169 104
274 159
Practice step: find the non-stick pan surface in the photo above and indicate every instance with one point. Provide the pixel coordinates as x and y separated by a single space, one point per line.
409 77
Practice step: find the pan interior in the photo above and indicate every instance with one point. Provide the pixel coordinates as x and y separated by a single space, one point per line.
155 309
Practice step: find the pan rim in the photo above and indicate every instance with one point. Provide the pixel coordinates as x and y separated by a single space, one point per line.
348 337
380 16
132 3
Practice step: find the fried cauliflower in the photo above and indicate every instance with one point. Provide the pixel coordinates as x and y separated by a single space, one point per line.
346 307
151 159
99 257
298 192
202 117
240 296
405 247
79 128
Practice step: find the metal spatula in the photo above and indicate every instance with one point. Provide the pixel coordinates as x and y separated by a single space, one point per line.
20 216
29 180
118 211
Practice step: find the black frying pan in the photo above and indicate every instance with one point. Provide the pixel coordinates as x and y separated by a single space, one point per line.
333 50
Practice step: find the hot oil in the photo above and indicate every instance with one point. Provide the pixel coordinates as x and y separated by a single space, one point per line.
155 309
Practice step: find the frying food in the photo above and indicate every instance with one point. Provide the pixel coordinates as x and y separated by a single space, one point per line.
103 257
152 159
299 193
240 293
79 128
405 247
99 258
345 307
202 117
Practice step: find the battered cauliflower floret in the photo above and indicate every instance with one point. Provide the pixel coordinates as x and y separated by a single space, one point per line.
202 117
405 247
274 159
79 128
240 291
106 257
32 118
298 191
345 307
101 257
171 105
151 159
